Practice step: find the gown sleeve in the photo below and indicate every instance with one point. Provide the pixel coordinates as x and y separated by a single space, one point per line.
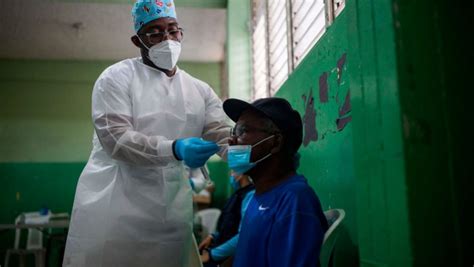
113 123
216 127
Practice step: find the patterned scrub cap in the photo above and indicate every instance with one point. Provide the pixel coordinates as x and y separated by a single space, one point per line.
144 11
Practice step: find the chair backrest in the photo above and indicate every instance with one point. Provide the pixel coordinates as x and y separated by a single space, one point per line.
35 237
334 218
209 219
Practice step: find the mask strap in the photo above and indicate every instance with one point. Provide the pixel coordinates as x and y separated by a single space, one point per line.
147 48
143 43
261 141
258 143
268 155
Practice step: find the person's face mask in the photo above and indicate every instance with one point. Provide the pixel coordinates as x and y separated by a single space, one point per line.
164 54
238 157
234 183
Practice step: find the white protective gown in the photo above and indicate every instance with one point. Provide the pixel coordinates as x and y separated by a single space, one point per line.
133 203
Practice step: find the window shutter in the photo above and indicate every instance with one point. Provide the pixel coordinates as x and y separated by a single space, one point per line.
278 43
260 51
309 24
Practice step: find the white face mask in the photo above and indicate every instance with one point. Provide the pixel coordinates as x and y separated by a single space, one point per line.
164 54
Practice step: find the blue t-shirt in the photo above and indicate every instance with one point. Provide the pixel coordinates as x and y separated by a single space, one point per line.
282 227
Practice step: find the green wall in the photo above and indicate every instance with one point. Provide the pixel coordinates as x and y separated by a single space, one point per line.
238 49
383 226
434 46
412 153
401 168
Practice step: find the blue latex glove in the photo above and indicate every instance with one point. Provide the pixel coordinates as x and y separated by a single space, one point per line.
194 151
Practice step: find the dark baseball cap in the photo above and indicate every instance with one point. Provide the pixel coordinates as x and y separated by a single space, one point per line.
278 110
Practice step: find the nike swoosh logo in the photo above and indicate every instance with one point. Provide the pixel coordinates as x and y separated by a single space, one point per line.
263 208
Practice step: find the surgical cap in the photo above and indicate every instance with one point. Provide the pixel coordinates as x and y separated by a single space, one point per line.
145 11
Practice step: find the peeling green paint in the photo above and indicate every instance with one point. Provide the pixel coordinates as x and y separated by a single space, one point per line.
318 89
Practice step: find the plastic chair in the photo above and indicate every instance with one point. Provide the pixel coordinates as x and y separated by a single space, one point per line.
209 219
334 218
34 241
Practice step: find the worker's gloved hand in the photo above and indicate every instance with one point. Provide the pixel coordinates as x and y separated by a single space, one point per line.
194 151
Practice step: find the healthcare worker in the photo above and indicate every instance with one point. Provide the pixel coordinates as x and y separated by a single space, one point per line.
133 202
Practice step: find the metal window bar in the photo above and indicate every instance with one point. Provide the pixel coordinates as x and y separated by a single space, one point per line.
291 61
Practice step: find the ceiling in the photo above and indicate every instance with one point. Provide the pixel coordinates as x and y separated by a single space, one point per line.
42 29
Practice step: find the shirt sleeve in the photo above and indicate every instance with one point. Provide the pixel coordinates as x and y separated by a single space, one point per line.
225 250
295 241
113 123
